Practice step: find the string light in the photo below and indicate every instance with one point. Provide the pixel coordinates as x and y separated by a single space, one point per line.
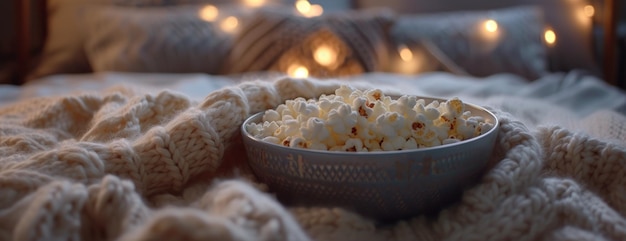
303 6
490 33
254 3
229 24
325 55
307 9
297 71
584 13
491 26
589 10
405 53
209 13
410 61
316 10
550 37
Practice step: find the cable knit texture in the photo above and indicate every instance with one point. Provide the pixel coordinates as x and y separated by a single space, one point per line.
126 165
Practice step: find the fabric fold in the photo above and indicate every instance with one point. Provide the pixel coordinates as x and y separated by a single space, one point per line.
161 166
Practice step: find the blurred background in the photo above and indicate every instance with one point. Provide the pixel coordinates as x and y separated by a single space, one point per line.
23 32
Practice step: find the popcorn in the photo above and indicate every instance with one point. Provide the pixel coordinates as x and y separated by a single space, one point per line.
391 124
271 116
353 120
342 119
315 129
392 143
354 145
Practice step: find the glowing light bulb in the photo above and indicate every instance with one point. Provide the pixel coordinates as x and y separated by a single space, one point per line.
550 37
254 3
325 55
589 10
229 24
491 26
316 10
303 6
297 71
209 13
405 53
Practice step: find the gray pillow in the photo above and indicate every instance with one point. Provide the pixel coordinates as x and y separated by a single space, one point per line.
156 39
64 48
276 40
515 47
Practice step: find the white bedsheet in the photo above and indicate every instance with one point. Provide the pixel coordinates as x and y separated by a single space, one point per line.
571 100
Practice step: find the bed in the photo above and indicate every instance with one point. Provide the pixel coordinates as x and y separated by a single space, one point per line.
129 130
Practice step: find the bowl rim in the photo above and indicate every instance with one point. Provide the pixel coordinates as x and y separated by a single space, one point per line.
495 128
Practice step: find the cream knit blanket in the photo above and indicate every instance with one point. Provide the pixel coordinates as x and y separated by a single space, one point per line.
125 165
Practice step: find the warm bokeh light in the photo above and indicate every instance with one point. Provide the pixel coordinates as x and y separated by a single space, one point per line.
297 71
584 14
405 53
254 3
325 55
550 37
491 26
410 61
303 6
229 24
307 9
589 10
209 13
490 33
316 10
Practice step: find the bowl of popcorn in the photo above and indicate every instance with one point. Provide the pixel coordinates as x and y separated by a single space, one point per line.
385 157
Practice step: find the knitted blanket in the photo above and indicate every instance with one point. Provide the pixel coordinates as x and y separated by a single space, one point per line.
127 165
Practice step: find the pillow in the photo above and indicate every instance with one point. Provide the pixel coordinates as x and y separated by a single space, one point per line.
420 57
171 39
338 44
574 48
515 46
62 51
64 46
